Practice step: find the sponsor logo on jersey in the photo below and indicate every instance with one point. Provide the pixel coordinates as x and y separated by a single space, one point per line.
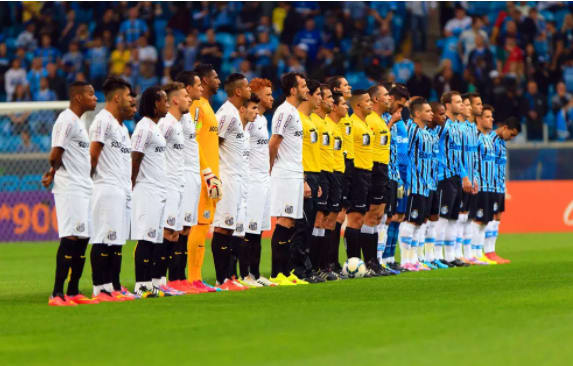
111 235
253 226
298 133
152 233
240 135
178 146
206 214
171 220
80 227
229 220
289 209
213 129
159 149
444 210
262 141
83 144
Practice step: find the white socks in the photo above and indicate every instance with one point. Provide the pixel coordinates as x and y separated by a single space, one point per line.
462 219
467 242
478 239
405 234
430 241
490 236
449 240
421 230
382 230
441 226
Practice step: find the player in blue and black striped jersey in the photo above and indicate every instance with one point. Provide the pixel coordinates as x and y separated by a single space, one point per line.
481 212
452 175
506 131
420 154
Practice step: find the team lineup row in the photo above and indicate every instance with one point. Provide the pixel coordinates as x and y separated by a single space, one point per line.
431 176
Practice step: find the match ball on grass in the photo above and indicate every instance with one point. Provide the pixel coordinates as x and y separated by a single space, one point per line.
354 268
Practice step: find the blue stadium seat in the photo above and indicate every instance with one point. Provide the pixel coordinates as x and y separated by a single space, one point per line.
43 142
5 126
9 144
9 183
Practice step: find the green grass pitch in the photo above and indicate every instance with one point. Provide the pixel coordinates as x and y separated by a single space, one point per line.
515 314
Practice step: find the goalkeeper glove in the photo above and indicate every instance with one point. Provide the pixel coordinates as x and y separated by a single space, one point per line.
213 184
400 193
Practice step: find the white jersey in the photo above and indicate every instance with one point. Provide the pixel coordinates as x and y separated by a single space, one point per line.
172 131
191 146
258 136
287 123
70 134
230 129
114 164
147 139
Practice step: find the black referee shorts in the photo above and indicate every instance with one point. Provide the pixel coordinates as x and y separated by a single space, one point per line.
359 189
335 196
450 192
379 187
325 185
348 170
310 204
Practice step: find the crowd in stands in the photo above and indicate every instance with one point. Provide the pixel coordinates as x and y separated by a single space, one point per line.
518 56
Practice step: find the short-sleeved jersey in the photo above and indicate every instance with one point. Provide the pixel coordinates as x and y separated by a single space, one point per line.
326 160
500 161
398 166
469 148
346 130
487 164
148 140
172 131
258 136
434 132
231 149
310 145
420 152
70 134
338 163
114 164
190 145
381 143
286 123
451 163
363 139
207 134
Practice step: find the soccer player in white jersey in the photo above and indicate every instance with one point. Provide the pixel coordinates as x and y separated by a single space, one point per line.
287 177
171 128
70 173
110 149
148 179
192 184
231 146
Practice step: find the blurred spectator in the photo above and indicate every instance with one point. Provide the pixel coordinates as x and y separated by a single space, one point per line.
47 52
56 82
4 66
567 32
189 51
14 77
263 52
133 28
245 69
69 31
129 74
458 24
310 37
241 50
145 51
568 74
169 54
249 17
419 84
44 93
446 80
119 58
74 57
532 25
510 58
384 46
507 103
211 51
403 69
26 39
223 20
35 74
26 145
96 58
468 38
107 23
19 120
83 35
561 97
419 21
534 108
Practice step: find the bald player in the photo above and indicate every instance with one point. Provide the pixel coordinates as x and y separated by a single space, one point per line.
208 140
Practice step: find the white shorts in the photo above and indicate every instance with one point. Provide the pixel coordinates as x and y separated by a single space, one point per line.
173 210
73 213
287 196
111 210
147 216
258 218
191 194
240 227
227 212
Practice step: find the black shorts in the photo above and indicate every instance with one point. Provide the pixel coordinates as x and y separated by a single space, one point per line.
392 200
465 205
450 192
335 196
499 203
310 204
433 203
417 209
379 186
348 170
482 209
325 181
359 189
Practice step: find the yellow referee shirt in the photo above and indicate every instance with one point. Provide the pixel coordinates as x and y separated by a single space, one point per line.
325 137
381 143
363 138
346 130
310 145
337 146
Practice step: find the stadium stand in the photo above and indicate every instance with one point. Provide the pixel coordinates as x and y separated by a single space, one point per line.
517 55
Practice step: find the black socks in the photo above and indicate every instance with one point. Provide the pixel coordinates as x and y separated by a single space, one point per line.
77 266
178 259
143 264
353 245
220 246
254 253
334 246
100 261
63 264
280 247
